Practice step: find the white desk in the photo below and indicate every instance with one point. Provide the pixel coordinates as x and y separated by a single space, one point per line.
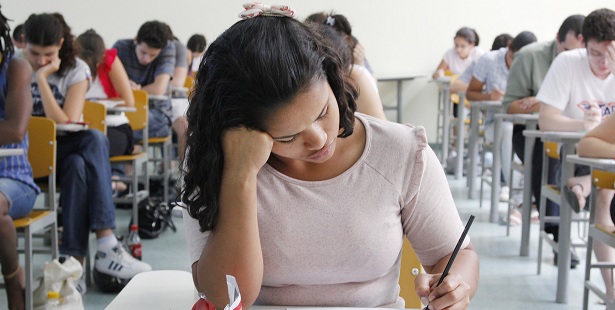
399 78
594 232
161 289
568 141
10 152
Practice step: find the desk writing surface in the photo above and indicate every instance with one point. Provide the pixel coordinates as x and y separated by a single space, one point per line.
71 127
555 136
10 152
606 164
400 76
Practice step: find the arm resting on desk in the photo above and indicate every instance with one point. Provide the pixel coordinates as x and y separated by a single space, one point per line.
600 142
552 119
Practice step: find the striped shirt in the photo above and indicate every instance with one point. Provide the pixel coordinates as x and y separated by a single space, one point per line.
14 167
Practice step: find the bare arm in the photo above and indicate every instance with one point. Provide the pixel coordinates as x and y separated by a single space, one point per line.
440 69
18 102
600 142
475 92
552 119
525 105
121 83
368 101
73 102
233 246
160 85
179 76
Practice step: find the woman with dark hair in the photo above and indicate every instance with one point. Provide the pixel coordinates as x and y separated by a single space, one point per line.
300 198
458 58
196 49
17 189
59 85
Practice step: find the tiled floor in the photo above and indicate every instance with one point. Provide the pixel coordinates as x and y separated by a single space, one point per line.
507 280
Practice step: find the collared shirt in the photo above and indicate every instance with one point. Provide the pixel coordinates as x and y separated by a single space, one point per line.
14 167
491 69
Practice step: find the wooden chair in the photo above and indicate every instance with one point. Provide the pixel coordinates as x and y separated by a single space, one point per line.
95 113
410 268
164 145
189 83
42 156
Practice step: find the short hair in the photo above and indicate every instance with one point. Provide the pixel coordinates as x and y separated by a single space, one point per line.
49 29
91 49
250 71
197 43
18 33
501 41
468 34
599 26
522 39
572 23
155 34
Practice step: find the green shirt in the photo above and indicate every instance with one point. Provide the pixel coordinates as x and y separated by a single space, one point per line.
528 70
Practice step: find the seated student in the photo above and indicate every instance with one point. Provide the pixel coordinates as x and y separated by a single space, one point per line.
527 72
59 84
149 60
458 58
576 81
491 72
196 49
18 39
17 189
368 101
109 80
300 198
461 83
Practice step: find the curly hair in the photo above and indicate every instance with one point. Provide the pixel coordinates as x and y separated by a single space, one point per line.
7 44
599 26
49 29
255 67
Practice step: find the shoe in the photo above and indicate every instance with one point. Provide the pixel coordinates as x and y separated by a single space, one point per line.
574 259
572 199
80 285
504 193
115 268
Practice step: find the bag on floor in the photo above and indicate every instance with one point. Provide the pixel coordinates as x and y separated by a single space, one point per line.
154 218
60 276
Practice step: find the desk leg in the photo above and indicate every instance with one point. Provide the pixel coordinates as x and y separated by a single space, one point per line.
565 217
399 96
496 171
473 151
446 122
590 244
527 196
461 109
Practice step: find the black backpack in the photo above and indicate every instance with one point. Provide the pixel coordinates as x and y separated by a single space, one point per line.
154 218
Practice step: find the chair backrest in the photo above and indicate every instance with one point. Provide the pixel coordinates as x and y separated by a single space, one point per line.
409 261
189 83
603 179
138 119
42 146
552 149
95 114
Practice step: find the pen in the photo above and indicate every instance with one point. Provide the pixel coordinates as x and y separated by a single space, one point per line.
455 251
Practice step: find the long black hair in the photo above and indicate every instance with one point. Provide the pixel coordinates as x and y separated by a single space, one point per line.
251 70
7 44
49 29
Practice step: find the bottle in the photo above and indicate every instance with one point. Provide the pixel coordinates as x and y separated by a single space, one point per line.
53 300
134 242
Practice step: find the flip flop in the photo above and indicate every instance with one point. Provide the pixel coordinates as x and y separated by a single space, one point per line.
572 199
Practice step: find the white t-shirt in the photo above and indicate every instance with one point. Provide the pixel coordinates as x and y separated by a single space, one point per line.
458 65
338 242
570 85
97 91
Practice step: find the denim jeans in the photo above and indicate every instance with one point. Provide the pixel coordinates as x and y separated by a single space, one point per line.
84 176
20 196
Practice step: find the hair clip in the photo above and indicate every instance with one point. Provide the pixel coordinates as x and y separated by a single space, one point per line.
258 9
330 21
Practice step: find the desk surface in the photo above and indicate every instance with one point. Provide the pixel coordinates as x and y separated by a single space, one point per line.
10 152
555 136
401 76
518 118
606 164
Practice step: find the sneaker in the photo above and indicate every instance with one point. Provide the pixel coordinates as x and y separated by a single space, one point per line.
119 263
574 258
504 193
80 285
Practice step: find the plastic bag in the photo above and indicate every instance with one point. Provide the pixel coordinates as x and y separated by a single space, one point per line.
233 296
60 276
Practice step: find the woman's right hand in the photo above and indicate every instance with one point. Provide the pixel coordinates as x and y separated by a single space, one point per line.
245 150
49 68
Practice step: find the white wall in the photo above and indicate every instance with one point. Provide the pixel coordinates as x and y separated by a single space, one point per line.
399 35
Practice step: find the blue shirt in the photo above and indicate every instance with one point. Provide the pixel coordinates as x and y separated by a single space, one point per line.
140 74
14 167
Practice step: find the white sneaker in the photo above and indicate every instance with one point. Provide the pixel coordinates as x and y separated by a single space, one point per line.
119 263
504 193
80 285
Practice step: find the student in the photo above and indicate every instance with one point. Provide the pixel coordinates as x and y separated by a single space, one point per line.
18 38
59 85
458 58
149 60
302 200
17 189
577 93
491 72
196 49
109 80
527 72
368 101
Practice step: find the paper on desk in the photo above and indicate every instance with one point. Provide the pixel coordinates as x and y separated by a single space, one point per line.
110 103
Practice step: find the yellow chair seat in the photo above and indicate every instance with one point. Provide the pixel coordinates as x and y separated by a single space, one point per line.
158 140
124 158
30 218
